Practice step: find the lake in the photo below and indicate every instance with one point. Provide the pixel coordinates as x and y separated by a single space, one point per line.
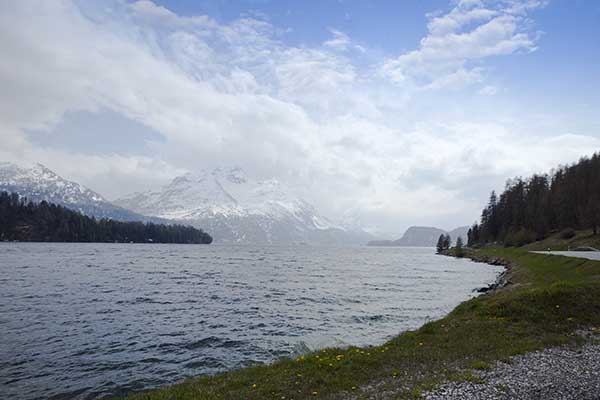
83 321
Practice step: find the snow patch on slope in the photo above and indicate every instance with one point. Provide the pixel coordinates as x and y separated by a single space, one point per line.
38 183
238 208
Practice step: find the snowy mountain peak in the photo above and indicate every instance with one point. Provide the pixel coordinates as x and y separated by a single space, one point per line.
41 183
37 183
42 169
236 208
224 191
232 174
225 202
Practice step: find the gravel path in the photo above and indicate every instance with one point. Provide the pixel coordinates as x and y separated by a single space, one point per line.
590 255
557 373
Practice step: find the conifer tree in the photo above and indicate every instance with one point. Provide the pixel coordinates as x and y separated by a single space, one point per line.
458 251
440 243
447 242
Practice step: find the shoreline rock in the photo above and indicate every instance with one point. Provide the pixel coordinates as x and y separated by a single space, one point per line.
502 280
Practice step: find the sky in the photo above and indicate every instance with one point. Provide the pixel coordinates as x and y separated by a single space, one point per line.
381 113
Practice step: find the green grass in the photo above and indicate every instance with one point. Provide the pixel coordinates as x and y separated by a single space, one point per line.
550 297
481 365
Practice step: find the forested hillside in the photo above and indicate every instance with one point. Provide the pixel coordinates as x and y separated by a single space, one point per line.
530 209
24 220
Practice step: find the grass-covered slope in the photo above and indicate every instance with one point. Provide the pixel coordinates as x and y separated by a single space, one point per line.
549 298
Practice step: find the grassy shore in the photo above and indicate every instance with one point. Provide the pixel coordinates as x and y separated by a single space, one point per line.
549 298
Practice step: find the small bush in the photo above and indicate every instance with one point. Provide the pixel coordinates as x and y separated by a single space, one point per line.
568 233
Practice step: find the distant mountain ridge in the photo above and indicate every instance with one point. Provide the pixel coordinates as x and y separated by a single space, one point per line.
223 202
422 236
39 183
235 208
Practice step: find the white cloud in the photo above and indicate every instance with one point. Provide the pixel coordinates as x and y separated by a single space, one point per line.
488 90
340 40
457 79
236 94
469 33
465 13
152 12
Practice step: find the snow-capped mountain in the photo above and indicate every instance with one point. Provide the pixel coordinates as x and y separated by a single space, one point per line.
39 183
234 208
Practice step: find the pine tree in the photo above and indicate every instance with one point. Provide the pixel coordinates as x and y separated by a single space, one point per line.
447 242
593 213
473 236
440 244
458 251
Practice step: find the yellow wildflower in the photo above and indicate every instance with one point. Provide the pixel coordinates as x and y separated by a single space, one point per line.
254 386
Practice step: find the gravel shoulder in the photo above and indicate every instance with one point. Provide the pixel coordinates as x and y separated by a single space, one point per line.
554 373
589 255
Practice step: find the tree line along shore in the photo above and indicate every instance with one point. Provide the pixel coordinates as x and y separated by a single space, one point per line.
530 210
26 221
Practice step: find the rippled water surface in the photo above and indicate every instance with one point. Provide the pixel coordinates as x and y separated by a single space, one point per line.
90 320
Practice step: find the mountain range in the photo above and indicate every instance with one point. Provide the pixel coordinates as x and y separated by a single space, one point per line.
39 183
223 202
235 208
422 236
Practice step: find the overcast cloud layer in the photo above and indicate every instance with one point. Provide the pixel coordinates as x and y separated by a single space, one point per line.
386 140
